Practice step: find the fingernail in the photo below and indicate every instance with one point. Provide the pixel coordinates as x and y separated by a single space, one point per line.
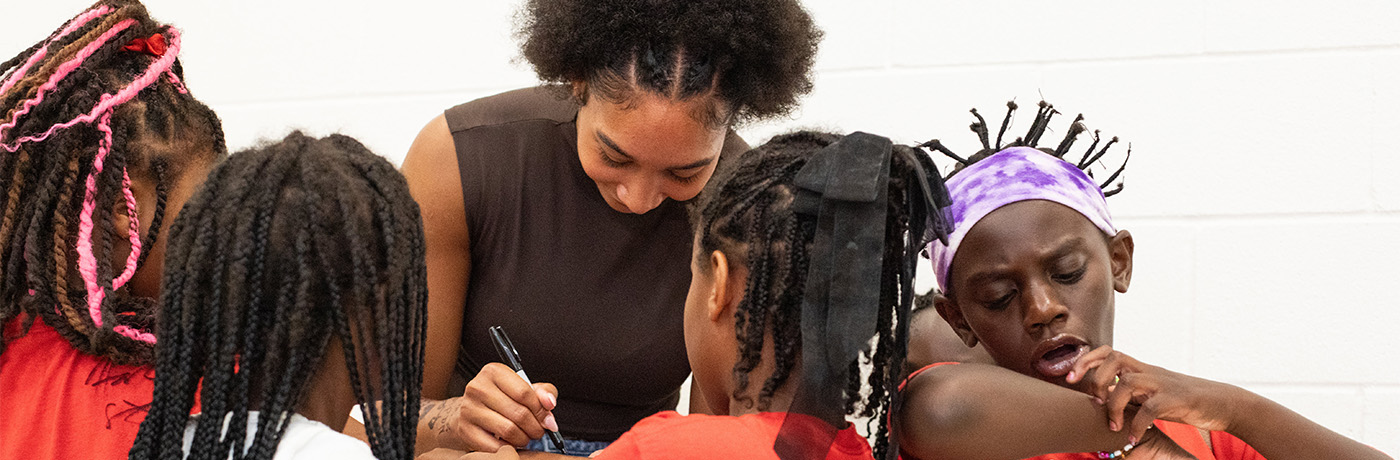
553 401
1070 377
550 423
1112 426
1098 400
1132 440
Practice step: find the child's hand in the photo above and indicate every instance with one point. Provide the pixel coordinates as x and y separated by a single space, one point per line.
1124 383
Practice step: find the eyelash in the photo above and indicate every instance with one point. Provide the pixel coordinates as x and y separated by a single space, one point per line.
1067 278
1071 277
611 163
685 180
1001 303
607 160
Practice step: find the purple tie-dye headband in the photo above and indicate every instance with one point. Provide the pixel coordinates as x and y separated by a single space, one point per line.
1009 176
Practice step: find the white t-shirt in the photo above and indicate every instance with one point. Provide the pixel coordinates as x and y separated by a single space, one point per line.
304 439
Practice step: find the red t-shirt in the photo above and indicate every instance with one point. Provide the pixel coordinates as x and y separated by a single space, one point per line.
58 403
1223 446
670 435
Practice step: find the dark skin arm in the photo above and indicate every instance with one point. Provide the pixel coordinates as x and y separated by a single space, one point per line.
498 407
1156 393
984 412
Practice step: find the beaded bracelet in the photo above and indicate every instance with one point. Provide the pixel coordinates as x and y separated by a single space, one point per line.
1103 454
1106 455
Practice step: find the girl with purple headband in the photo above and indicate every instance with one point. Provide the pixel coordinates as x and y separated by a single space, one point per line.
1029 271
100 145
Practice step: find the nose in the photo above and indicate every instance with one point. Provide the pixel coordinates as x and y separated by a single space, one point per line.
1042 308
639 196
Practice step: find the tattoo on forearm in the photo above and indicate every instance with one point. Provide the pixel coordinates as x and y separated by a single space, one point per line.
437 419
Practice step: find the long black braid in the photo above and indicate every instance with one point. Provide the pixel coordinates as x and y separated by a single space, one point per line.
1044 112
283 248
155 136
746 211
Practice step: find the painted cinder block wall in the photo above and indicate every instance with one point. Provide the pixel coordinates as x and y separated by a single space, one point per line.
1264 192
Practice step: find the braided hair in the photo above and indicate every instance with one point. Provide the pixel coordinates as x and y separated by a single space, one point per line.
756 57
282 249
1044 112
99 102
747 212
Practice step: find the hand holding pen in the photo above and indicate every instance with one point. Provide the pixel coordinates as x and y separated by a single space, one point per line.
498 408
507 351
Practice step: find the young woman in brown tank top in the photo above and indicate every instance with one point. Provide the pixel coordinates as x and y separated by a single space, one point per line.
563 219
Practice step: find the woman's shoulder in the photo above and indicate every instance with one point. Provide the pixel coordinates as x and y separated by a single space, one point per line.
545 103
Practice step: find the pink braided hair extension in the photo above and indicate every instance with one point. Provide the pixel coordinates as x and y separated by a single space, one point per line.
135 334
87 261
133 230
73 25
66 68
174 80
59 74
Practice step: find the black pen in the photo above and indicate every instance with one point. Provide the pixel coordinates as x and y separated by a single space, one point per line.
512 358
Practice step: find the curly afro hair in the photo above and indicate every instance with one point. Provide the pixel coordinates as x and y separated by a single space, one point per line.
756 57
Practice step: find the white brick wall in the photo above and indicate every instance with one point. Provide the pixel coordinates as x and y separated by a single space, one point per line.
1263 195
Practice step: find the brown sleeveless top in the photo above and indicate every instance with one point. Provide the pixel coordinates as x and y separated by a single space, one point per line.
591 297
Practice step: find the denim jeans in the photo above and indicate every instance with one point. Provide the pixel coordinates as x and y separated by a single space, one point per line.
575 447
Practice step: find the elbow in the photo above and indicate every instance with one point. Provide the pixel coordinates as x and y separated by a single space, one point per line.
940 413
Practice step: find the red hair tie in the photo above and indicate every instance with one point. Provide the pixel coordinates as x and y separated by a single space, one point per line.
154 45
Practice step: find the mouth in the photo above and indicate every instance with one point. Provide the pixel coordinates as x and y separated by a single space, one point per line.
1055 357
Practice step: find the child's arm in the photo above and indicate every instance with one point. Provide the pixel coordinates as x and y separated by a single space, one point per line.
1274 431
977 411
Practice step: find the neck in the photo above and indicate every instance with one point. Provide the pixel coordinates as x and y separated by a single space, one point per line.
333 412
329 396
782 397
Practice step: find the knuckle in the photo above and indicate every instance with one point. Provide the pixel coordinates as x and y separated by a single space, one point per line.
502 428
488 444
474 392
523 394
548 388
519 415
466 409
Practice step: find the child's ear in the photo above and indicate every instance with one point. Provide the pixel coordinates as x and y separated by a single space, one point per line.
727 289
1120 254
952 313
